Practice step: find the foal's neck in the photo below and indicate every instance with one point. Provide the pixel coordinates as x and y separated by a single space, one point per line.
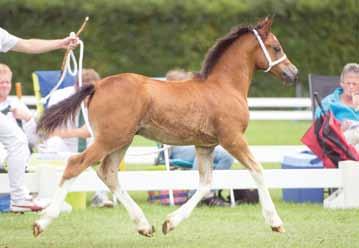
235 71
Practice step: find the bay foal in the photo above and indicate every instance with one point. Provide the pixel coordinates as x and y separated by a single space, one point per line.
208 110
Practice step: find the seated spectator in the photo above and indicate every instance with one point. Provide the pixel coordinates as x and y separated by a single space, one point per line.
72 138
16 143
222 159
15 110
343 102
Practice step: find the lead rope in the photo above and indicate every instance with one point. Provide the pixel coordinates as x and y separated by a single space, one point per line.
67 69
75 69
83 108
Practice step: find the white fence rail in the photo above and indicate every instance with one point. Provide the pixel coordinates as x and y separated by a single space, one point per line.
179 179
346 178
266 108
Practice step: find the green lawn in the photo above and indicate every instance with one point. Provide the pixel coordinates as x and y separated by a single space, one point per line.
307 225
276 132
262 133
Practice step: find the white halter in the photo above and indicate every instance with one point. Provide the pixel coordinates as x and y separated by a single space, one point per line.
266 54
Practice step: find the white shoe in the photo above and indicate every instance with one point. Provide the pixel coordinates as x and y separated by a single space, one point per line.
24 206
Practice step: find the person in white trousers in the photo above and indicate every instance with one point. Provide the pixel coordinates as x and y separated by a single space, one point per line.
11 138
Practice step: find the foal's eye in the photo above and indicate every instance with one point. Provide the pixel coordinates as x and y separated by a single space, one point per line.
277 49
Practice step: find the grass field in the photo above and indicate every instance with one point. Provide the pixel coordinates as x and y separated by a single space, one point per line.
307 225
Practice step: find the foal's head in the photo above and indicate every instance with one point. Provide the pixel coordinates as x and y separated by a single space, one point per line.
271 57
265 52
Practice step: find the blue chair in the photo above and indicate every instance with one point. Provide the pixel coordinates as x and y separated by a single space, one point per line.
44 82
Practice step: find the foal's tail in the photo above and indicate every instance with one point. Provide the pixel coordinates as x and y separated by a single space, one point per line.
58 114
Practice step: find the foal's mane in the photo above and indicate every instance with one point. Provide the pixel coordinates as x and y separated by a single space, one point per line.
221 45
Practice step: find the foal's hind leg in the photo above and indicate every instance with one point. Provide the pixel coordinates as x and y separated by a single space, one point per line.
75 165
205 161
108 173
238 147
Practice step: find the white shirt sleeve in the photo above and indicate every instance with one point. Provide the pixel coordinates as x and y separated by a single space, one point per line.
7 41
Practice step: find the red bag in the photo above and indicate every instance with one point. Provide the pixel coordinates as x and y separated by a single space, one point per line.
326 140
310 138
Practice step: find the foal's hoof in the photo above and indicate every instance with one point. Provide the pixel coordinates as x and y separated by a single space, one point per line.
147 233
167 227
279 229
36 230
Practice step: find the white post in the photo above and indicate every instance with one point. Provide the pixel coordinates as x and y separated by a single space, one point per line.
167 162
350 181
231 196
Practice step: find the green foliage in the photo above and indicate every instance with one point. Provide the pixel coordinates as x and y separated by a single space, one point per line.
153 36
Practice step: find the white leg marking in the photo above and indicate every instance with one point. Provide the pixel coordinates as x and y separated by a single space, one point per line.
268 209
205 163
53 210
135 212
185 210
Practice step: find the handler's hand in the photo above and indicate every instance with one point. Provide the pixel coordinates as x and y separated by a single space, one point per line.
21 114
70 42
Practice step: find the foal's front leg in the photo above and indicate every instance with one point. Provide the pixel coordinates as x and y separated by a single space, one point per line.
205 161
238 147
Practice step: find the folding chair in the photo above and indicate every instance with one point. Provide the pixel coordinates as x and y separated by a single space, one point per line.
323 85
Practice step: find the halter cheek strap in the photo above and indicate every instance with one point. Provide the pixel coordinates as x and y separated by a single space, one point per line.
266 54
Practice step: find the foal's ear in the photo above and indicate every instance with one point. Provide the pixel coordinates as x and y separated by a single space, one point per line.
263 27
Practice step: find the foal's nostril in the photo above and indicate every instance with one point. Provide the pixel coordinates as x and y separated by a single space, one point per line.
290 75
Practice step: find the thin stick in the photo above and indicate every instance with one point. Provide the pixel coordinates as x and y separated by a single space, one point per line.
18 90
77 34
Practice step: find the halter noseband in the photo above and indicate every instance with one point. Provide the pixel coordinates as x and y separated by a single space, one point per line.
266 54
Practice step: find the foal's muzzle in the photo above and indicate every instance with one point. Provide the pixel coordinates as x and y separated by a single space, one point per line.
290 74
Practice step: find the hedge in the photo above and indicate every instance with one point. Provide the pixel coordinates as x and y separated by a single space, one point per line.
154 36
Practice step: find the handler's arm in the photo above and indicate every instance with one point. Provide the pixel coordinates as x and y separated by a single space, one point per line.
42 46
